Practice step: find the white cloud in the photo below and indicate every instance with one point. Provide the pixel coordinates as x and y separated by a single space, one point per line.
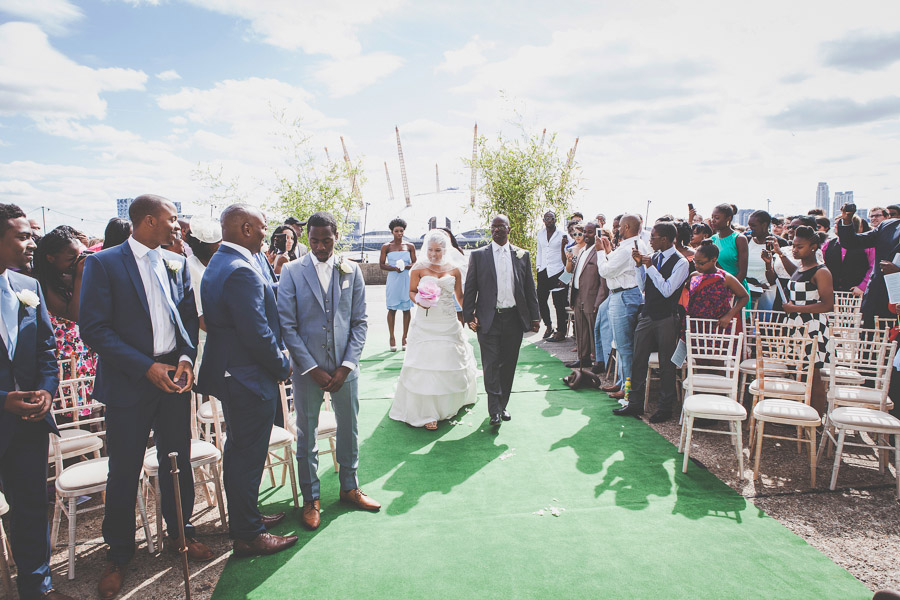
348 75
54 15
470 55
170 75
309 25
17 187
40 81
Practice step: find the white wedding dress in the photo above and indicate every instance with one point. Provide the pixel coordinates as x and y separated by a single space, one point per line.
439 374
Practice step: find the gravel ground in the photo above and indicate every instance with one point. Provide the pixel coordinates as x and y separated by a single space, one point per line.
857 526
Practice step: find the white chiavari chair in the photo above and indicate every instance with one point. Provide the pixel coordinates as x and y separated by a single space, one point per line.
713 355
863 407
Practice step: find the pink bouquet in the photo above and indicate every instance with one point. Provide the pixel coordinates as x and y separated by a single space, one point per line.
428 294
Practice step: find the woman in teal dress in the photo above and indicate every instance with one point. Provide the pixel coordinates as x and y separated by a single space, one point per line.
396 258
734 251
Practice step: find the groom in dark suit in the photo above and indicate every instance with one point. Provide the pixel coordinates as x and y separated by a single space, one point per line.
137 313
500 303
28 382
243 361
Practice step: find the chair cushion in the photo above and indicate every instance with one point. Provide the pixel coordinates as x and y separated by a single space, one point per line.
654 360
205 412
4 507
711 406
83 475
857 395
76 442
749 366
779 410
711 382
843 375
327 424
856 417
775 386
200 452
280 436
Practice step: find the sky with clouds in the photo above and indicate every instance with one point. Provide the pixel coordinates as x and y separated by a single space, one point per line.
696 101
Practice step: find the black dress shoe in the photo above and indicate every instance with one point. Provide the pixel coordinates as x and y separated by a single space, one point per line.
660 416
505 415
548 333
575 364
495 420
632 410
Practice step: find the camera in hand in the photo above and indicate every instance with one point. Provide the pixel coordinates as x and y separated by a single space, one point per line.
849 208
181 381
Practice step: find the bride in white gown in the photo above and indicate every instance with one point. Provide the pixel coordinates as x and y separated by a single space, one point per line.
439 373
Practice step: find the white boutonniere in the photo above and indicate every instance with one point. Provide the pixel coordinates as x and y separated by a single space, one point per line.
28 298
173 265
519 252
342 264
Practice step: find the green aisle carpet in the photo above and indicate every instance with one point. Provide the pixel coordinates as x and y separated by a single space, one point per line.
459 512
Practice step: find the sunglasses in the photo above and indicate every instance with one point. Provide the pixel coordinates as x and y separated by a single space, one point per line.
577 234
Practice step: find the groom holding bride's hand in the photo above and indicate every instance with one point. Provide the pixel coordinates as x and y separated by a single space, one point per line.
500 303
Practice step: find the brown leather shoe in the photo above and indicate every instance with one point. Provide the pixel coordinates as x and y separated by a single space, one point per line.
111 581
52 594
270 521
610 388
359 499
311 514
196 551
264 544
559 336
617 395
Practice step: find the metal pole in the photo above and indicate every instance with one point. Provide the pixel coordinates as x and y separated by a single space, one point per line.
44 218
362 250
173 457
768 206
647 216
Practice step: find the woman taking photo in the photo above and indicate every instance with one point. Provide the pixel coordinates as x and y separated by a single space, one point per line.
396 258
713 293
284 242
59 265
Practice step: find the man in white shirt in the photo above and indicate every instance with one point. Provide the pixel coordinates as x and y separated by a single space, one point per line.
625 297
549 268
661 276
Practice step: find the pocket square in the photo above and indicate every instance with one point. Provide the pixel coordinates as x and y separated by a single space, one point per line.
345 284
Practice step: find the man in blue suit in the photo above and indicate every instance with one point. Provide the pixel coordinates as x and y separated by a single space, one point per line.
137 313
243 361
322 305
28 382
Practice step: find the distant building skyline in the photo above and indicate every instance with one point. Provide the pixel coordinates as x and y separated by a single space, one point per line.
823 197
840 199
122 205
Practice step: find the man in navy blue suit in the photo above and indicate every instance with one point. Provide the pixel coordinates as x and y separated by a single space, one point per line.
28 382
138 314
243 361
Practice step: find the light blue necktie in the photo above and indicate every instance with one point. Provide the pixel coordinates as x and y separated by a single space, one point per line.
10 308
153 255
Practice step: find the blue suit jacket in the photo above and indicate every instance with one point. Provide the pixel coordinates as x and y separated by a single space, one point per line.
114 320
33 365
886 240
243 336
301 306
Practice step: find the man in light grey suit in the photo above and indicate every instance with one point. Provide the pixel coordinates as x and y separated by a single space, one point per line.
322 308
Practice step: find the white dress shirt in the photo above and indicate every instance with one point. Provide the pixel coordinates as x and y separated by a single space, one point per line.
164 332
666 287
549 257
3 332
617 267
505 279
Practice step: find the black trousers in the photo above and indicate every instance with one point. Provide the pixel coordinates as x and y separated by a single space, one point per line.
499 354
23 474
249 418
655 336
127 431
544 286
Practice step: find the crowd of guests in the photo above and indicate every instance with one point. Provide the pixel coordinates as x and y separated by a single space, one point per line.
630 287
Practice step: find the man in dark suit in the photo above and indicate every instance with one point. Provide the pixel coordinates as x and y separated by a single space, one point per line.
585 290
885 238
500 303
137 313
28 382
243 361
